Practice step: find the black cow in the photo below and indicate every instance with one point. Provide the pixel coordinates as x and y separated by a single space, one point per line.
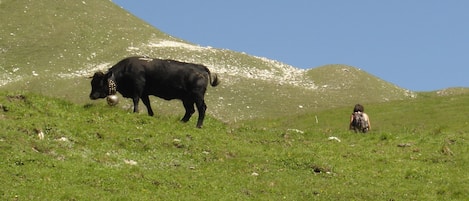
139 77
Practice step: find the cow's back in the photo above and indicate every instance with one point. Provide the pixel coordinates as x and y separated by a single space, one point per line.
168 79
171 79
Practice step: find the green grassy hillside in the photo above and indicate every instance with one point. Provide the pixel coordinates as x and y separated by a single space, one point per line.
273 131
429 112
344 83
46 44
53 149
51 46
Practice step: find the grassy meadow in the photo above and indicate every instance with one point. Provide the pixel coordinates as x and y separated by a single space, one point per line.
273 132
57 150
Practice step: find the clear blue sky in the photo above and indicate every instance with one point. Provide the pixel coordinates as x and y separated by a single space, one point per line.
421 45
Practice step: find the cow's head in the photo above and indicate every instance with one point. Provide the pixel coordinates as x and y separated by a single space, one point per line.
100 85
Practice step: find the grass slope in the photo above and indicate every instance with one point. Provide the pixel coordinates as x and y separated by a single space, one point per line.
342 83
51 46
266 137
97 152
42 40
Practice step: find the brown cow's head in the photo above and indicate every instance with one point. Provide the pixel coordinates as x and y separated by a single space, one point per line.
99 85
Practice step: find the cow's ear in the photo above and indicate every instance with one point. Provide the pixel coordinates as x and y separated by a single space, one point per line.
110 75
97 74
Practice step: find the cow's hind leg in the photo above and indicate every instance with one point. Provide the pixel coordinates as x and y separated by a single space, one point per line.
146 101
189 106
201 107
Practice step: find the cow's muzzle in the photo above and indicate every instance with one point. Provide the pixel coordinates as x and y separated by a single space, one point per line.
95 96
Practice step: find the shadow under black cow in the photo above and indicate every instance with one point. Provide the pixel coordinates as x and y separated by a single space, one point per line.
139 77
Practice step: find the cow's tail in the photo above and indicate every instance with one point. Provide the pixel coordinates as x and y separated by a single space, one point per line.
212 77
214 81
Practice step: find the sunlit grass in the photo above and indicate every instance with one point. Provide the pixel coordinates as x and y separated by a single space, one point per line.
99 152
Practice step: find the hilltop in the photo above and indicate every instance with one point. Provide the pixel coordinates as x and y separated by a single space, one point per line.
51 47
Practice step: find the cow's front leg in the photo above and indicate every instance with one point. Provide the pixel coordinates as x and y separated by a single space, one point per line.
146 101
135 100
189 106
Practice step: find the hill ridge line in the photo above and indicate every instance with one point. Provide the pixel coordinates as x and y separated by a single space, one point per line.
278 72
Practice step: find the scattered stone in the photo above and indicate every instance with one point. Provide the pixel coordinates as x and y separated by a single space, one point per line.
40 134
130 162
446 150
334 138
63 139
4 108
178 143
404 145
16 97
320 169
295 130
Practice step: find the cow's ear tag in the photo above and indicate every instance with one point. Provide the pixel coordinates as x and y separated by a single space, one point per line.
112 100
